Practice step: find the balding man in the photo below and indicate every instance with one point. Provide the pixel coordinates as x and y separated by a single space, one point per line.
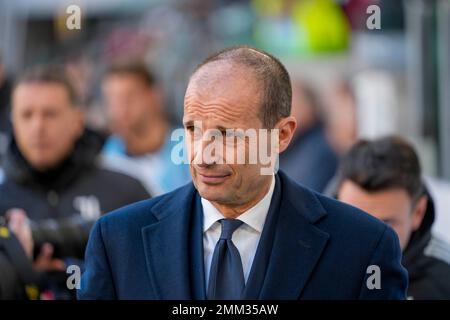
240 230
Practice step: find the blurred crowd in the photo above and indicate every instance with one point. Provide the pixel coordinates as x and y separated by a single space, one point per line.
89 131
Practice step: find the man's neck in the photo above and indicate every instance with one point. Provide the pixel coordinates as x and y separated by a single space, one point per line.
149 140
234 211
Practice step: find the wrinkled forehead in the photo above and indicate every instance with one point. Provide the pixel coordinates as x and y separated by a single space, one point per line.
227 93
236 86
225 79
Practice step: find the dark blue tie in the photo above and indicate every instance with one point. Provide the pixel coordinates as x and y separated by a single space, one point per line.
226 277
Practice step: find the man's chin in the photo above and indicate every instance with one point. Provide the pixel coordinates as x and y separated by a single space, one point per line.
212 193
42 164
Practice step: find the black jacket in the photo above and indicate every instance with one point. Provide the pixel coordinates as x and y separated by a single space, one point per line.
427 260
63 203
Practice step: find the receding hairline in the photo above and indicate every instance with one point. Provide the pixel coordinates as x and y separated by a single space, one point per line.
269 74
231 56
221 70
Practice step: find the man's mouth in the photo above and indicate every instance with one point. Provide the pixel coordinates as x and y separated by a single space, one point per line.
41 145
213 178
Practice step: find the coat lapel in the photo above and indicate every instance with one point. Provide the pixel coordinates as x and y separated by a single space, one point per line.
298 243
166 245
197 271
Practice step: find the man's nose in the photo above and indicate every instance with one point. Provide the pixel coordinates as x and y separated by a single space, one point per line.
37 125
118 107
206 154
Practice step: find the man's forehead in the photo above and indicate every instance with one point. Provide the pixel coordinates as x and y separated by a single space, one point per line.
39 91
222 81
220 113
34 96
222 72
224 106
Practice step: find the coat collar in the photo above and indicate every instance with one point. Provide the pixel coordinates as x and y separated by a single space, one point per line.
166 245
297 243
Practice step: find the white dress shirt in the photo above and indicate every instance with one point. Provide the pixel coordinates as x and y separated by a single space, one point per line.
245 238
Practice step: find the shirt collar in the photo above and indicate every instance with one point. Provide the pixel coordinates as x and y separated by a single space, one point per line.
253 217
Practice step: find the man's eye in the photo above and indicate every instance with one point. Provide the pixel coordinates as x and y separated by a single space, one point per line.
51 114
194 132
26 115
192 129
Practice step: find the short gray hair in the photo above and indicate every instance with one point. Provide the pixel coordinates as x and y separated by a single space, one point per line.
277 89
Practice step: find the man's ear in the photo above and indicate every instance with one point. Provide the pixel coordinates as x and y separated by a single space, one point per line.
286 129
419 212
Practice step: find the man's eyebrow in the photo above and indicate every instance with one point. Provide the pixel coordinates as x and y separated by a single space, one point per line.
221 128
188 123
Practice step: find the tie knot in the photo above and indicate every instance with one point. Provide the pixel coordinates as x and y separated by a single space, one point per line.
228 227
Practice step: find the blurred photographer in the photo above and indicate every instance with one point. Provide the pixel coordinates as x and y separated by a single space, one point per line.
51 170
18 279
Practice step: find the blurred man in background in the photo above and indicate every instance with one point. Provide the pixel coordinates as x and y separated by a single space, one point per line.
51 171
383 178
341 116
141 142
309 160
